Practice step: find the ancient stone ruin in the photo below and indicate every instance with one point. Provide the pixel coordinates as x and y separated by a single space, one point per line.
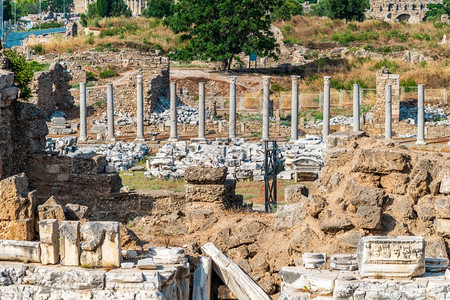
410 11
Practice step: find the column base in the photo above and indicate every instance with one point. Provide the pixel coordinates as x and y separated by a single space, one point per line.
421 143
140 139
111 139
173 139
83 139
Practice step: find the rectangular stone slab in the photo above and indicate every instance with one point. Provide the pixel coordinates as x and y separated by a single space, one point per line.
242 286
402 256
20 251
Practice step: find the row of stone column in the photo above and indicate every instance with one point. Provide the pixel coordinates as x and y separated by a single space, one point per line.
136 6
110 111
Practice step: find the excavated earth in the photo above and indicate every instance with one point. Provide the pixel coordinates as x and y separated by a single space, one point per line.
367 187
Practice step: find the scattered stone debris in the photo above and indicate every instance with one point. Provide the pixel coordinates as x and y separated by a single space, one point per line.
244 160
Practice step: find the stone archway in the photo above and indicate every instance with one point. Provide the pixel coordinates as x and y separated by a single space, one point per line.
403 17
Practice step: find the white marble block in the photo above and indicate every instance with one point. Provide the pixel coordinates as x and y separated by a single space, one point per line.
48 233
402 256
69 242
202 279
20 251
100 244
167 255
344 262
314 260
436 265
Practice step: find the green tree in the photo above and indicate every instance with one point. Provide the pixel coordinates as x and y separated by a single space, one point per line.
159 8
8 10
218 30
350 10
103 8
287 10
23 72
435 11
119 8
57 5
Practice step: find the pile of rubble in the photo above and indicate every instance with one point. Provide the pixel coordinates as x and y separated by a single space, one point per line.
120 156
338 120
185 114
434 115
244 160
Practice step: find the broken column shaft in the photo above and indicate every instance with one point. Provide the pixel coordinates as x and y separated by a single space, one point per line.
294 108
421 115
326 107
173 112
110 110
356 117
232 121
201 111
388 113
140 109
83 112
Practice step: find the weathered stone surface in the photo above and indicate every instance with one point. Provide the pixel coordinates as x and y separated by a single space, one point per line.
346 262
391 256
205 175
75 212
361 195
419 185
22 230
442 227
336 223
202 279
48 234
395 183
20 251
220 193
309 281
425 209
89 164
100 244
445 183
295 193
368 217
302 240
69 243
146 264
382 162
289 215
13 187
442 208
163 255
314 260
51 209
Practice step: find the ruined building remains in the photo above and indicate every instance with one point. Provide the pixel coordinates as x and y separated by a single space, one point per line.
411 11
136 6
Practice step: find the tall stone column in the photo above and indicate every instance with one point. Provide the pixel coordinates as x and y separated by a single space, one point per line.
140 109
388 113
421 115
110 110
232 121
266 108
294 108
83 112
140 7
201 111
356 117
326 106
173 112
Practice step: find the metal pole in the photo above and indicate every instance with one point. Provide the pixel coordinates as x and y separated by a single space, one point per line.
64 12
3 29
15 15
40 16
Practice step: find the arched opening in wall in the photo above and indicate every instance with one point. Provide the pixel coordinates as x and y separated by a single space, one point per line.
406 7
389 16
396 7
422 7
390 7
403 17
413 7
380 8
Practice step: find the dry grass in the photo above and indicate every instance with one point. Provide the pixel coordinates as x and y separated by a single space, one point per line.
119 32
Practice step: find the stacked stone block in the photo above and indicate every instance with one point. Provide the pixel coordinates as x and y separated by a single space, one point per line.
384 77
17 209
207 186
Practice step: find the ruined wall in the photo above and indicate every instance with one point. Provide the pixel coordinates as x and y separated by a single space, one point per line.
22 129
403 10
51 89
155 70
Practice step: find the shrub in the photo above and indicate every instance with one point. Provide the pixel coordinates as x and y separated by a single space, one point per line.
344 38
391 65
409 84
90 76
352 27
108 72
23 72
38 67
276 87
110 32
368 47
38 49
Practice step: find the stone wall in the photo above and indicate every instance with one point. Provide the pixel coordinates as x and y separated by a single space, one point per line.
51 89
384 77
404 10
155 70
22 129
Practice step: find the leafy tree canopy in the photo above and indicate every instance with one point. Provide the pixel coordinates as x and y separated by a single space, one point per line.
288 9
435 11
218 30
57 6
108 8
350 10
159 8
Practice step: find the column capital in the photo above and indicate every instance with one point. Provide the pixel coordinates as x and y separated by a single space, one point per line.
266 79
201 84
327 79
233 79
140 77
295 78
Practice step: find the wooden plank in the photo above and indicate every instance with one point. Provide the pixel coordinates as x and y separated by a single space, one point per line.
242 286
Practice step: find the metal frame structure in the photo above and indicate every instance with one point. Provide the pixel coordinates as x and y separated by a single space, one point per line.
270 175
